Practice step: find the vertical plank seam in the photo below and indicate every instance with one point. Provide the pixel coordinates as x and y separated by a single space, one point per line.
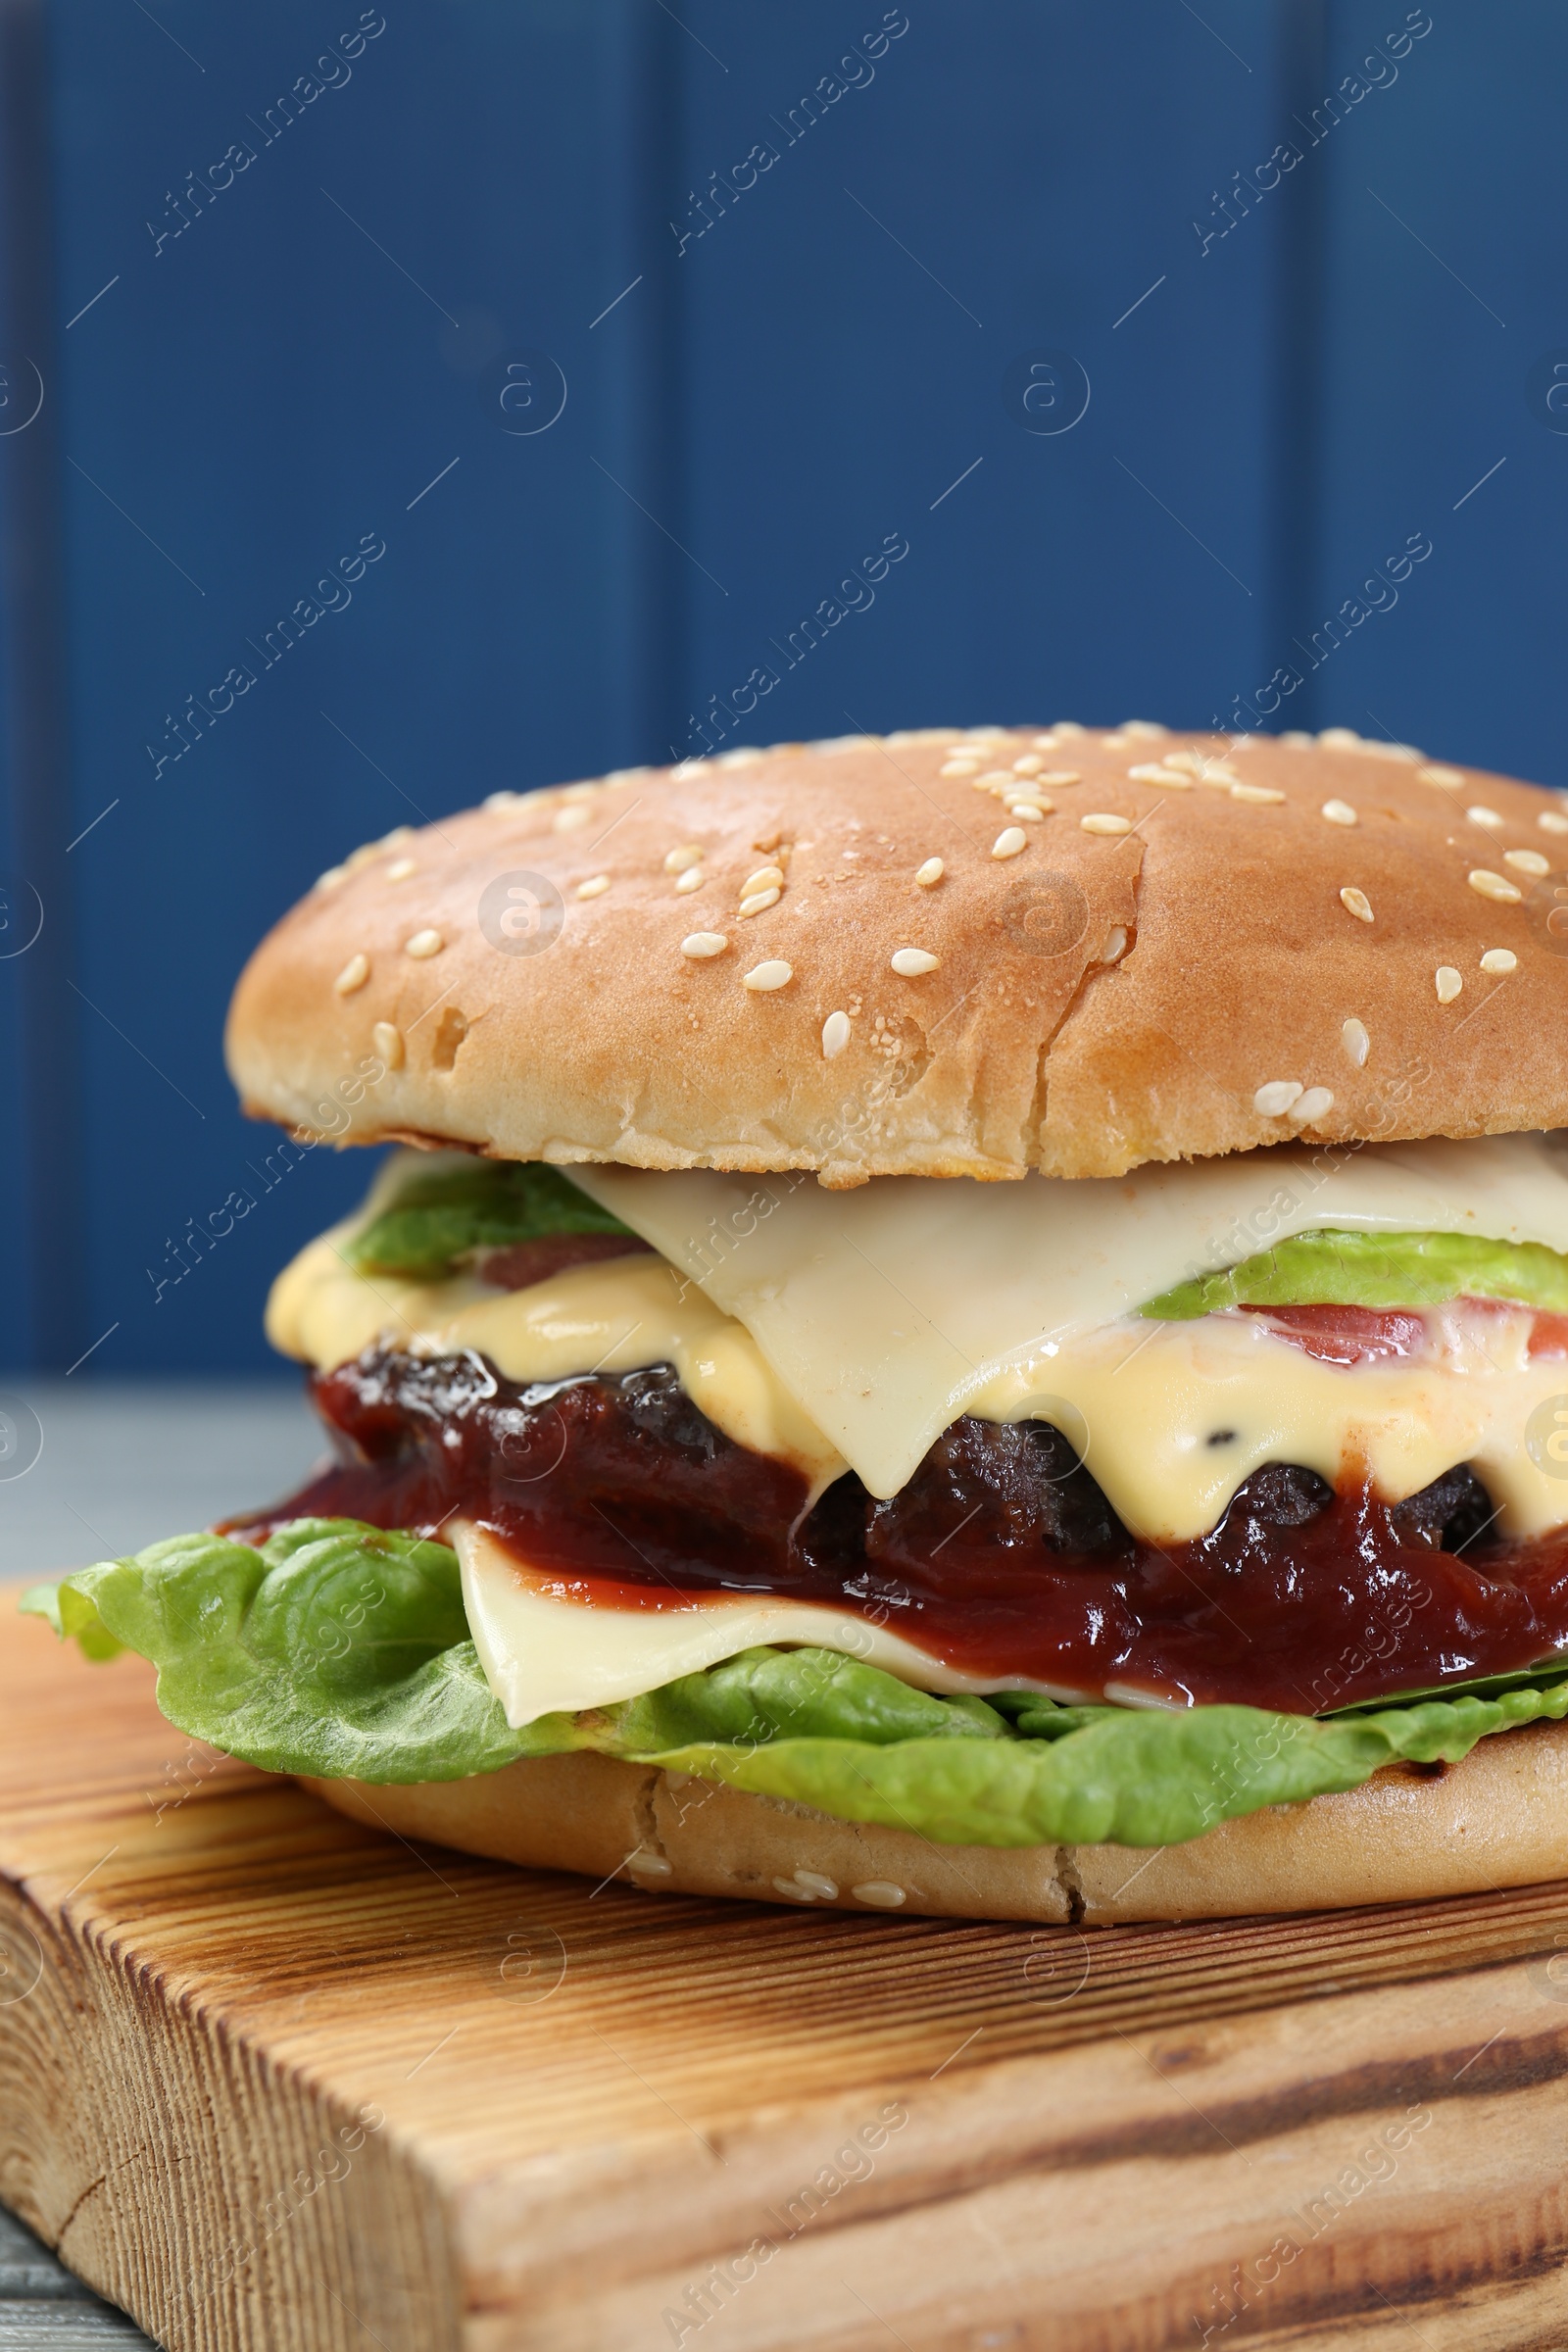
33 665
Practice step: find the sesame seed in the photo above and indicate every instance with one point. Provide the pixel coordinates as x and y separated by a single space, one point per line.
769 976
1339 812
690 880
1115 944
354 974
1311 1106
760 901
835 1035
1148 730
997 779
1116 742
1495 886
499 800
1260 796
1355 1040
766 877
1030 811
881 1894
401 868
1449 982
1059 775
1100 821
912 963
1483 817
572 818
958 767
1067 726
1296 739
678 862
1010 842
1356 902
594 888
423 943
1150 771
1499 959
809 1885
1339 739
388 1043
1550 820
1527 861
930 874
335 875
702 944
1273 1101
1029 765
744 755
1444 777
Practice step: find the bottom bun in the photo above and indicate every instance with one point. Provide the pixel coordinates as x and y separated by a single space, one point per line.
1500 1818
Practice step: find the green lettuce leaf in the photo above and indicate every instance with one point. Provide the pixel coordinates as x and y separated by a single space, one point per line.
338 1650
1375 1269
441 1217
1122 1776
333 1649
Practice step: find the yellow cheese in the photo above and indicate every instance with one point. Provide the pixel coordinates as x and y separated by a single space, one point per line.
616 1316
1170 1417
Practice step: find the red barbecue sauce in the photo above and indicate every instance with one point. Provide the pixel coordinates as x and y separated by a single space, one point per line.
1001 1556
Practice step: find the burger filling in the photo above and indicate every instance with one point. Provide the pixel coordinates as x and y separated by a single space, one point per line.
738 1473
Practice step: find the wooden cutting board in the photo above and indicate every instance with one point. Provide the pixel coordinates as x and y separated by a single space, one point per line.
268 2080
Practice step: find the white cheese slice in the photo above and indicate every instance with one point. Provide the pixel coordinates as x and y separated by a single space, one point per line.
545 1654
888 1310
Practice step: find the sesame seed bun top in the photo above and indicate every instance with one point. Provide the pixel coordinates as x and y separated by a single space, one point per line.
936 954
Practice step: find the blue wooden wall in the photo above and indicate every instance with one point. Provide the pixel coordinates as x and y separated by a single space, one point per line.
792 262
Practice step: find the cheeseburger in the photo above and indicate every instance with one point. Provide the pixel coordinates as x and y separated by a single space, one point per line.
968 1322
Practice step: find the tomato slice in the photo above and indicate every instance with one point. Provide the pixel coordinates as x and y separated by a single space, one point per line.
1348 1335
1367 1335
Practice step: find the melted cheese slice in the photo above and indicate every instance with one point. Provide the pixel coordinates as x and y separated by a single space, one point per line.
836 1330
1171 1417
618 1315
544 1653
889 1310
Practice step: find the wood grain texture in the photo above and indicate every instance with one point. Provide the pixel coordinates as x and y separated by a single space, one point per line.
268 2079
